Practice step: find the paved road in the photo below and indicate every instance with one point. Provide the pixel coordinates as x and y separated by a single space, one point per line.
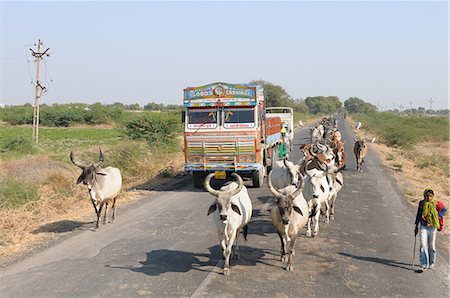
165 245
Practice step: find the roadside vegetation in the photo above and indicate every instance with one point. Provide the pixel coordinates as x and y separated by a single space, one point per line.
414 146
37 182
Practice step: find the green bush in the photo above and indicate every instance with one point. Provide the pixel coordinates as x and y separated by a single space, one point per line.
15 193
19 144
158 129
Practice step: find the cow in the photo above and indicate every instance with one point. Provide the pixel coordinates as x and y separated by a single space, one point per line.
104 185
338 150
288 216
316 191
232 210
285 173
360 149
336 182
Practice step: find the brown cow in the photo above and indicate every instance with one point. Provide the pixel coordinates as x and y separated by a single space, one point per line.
338 150
360 149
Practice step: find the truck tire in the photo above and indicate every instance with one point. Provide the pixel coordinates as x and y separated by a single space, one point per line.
258 178
198 179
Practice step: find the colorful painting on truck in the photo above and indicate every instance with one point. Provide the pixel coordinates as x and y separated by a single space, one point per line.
220 90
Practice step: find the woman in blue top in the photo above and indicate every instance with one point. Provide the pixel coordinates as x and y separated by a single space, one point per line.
429 215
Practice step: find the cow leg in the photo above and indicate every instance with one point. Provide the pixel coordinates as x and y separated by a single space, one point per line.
113 207
333 200
316 220
236 254
99 211
223 244
105 215
308 229
327 212
289 266
283 247
227 254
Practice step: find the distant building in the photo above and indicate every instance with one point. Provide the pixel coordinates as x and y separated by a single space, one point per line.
2 105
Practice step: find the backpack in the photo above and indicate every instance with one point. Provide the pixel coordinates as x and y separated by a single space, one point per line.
440 206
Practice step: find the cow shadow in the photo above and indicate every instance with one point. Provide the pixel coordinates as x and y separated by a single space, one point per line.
386 262
63 226
166 180
162 261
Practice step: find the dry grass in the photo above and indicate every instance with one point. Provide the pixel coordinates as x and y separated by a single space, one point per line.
426 165
63 206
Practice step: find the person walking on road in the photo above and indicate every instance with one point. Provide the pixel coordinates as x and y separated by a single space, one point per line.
430 214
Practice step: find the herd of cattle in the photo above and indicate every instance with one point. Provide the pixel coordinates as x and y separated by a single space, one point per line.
303 191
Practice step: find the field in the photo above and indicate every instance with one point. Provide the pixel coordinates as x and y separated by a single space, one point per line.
416 150
37 183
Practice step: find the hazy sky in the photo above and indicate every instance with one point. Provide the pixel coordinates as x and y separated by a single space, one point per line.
386 53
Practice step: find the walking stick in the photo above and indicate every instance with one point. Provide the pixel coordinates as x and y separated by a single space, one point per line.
414 251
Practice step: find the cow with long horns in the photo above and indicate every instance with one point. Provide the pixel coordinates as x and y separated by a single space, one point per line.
232 210
288 216
104 185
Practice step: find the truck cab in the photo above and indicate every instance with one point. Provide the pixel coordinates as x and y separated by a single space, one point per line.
225 131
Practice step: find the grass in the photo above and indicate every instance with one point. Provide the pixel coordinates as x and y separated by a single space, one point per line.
15 141
14 193
405 131
390 157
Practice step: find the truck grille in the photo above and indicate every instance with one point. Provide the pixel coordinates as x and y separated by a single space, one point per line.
217 151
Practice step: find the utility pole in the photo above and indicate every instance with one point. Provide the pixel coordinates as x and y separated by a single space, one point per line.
410 106
38 90
431 102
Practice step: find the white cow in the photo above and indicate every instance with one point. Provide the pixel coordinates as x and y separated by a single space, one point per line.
336 182
316 192
288 216
104 185
285 173
232 210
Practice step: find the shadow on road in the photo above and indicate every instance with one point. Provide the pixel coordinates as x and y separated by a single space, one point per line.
380 261
62 226
164 260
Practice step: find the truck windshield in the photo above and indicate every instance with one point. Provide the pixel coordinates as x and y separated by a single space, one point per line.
239 117
202 118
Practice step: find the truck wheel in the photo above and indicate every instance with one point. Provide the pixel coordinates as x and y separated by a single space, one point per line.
258 178
198 179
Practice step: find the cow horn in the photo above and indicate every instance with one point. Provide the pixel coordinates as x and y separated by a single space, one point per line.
239 181
300 188
321 147
208 187
100 159
76 162
275 192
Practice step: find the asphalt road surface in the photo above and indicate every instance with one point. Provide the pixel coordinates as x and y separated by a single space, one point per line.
165 245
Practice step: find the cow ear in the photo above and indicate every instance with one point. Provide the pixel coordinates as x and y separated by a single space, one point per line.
80 179
296 209
236 209
211 209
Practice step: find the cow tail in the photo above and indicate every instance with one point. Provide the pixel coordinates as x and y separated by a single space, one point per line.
245 232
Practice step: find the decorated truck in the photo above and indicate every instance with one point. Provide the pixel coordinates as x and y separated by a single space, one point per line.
226 130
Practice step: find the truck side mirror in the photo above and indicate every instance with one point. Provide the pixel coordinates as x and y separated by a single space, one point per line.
183 116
